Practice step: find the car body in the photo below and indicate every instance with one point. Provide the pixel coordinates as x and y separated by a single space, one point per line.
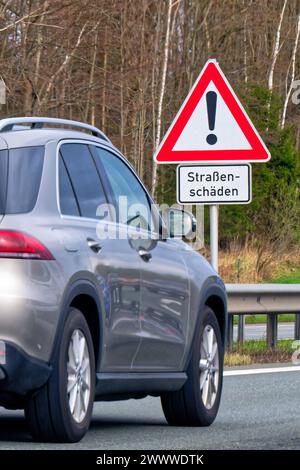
142 305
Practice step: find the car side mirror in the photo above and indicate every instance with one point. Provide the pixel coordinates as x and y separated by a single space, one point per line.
180 223
139 234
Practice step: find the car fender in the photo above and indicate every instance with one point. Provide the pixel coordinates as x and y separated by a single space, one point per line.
213 287
80 286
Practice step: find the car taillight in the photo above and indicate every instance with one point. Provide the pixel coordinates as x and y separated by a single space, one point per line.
15 244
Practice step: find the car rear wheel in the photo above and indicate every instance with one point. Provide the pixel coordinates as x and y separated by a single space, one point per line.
61 411
197 403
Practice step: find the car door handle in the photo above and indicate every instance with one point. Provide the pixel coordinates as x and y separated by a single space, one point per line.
94 245
145 255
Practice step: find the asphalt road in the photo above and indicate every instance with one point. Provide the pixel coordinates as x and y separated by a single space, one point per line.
259 331
257 412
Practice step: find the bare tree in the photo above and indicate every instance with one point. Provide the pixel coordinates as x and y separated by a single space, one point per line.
293 72
162 92
126 66
276 50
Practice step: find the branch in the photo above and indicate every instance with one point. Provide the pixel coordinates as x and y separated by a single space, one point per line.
64 64
21 20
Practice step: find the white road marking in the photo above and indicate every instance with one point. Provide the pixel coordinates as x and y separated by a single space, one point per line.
263 370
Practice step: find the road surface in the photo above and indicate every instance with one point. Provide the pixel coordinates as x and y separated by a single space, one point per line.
259 411
259 331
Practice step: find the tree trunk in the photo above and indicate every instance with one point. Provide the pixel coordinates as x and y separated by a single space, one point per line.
162 94
293 71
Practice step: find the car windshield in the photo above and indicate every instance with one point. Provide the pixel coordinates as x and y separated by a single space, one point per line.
20 178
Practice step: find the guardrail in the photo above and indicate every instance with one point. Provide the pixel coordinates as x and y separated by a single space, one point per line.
266 299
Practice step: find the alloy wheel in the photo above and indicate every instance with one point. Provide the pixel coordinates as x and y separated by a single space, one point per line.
209 367
79 376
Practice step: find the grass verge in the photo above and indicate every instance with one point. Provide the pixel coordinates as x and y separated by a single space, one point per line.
256 352
254 319
239 265
290 278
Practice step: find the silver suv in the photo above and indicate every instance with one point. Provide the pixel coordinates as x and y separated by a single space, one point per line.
100 298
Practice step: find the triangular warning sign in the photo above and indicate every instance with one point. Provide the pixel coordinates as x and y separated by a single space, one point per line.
211 126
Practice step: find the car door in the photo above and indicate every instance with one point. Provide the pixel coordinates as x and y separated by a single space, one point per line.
111 263
164 307
164 304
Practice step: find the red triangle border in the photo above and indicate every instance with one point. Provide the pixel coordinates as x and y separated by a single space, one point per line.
258 151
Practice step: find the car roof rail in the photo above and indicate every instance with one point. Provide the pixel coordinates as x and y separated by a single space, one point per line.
8 124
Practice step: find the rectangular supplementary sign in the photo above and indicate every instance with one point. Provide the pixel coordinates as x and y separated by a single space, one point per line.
214 184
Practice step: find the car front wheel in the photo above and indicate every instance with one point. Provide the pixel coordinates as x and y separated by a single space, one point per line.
197 403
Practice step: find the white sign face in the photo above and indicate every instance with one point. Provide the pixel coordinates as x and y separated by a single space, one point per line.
214 184
229 135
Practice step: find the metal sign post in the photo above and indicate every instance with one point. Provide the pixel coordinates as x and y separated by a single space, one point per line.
214 235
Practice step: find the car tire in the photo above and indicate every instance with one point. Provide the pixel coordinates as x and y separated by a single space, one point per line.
61 411
197 403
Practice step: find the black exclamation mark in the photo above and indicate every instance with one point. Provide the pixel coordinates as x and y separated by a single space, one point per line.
211 103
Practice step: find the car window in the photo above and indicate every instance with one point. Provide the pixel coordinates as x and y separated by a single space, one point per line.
130 197
84 178
25 167
68 204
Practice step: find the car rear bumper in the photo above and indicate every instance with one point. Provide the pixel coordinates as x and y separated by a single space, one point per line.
30 302
20 374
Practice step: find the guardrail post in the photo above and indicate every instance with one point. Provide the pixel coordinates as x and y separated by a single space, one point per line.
272 330
241 329
230 332
297 326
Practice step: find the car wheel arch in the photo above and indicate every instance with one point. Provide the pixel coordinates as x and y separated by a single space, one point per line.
82 295
218 306
215 298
